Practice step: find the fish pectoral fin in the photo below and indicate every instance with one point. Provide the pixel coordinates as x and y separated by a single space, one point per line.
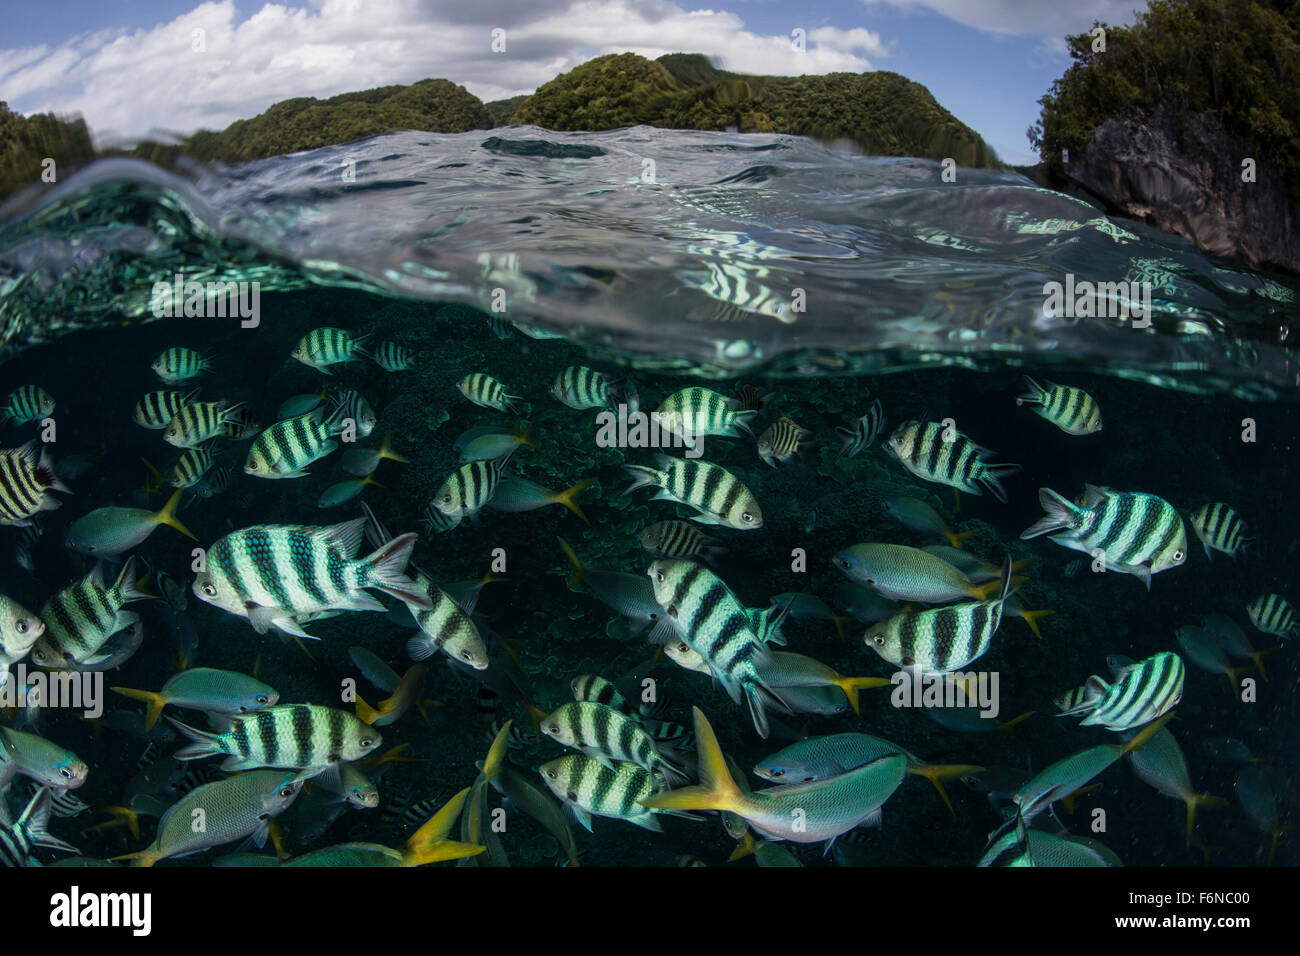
262 618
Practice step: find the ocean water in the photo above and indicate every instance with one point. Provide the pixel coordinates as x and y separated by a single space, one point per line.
827 279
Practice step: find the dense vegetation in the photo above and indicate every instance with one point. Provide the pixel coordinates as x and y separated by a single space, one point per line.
26 141
1237 61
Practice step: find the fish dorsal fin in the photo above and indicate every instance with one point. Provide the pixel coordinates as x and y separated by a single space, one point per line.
347 536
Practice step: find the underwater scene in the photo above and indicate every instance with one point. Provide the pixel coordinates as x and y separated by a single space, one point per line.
510 509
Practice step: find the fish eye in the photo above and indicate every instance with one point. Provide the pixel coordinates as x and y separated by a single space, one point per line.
659 577
746 516
286 792
367 741
871 580
446 499
209 590
553 728
21 625
845 563
773 774
573 796
65 773
880 640
467 655
1178 555
551 774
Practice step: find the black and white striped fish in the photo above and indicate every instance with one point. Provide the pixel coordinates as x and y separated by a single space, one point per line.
606 735
241 425
862 433
63 803
589 788
580 387
944 639
196 422
468 489
1219 528
1136 533
597 690
177 365
695 412
27 403
191 466
80 618
326 346
485 391
751 398
719 496
928 450
17 840
349 405
26 479
391 357
1272 614
437 522
400 811
273 574
1139 694
293 736
782 440
157 409
1070 409
678 539
287 448
213 483
708 617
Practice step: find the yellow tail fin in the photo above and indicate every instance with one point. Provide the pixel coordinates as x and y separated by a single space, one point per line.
579 572
955 539
852 685
937 773
744 848
497 752
1149 731
524 432
156 703
1069 799
386 451
153 481
717 789
1258 658
168 517
367 713
1031 618
1194 802
567 497
1009 728
119 816
429 844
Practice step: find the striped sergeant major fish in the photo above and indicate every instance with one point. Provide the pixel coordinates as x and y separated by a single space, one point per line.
1139 694
27 403
468 489
607 735
485 391
751 398
928 450
782 440
1137 533
17 840
240 425
860 435
292 736
326 346
400 811
614 791
1008 845
271 574
348 404
191 466
719 496
695 412
196 422
391 357
63 805
26 479
711 621
580 387
80 618
678 539
437 522
157 409
1220 529
941 640
213 483
177 365
287 448
447 624
1272 614
1070 409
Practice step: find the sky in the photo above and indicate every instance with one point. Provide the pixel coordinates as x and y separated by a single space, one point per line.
145 66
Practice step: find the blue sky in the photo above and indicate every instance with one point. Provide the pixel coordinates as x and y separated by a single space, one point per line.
133 67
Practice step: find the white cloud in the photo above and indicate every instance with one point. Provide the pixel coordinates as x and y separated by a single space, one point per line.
1042 18
127 82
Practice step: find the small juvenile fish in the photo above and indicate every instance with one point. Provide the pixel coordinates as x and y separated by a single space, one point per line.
1272 614
678 539
348 405
719 496
391 357
1219 528
326 346
495 446
695 412
111 531
922 449
344 491
751 398
207 689
214 483
580 387
196 422
292 736
782 440
863 432
286 449
363 461
467 489
485 391
191 466
27 403
177 365
26 479
1070 409
157 409
1137 533
916 515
